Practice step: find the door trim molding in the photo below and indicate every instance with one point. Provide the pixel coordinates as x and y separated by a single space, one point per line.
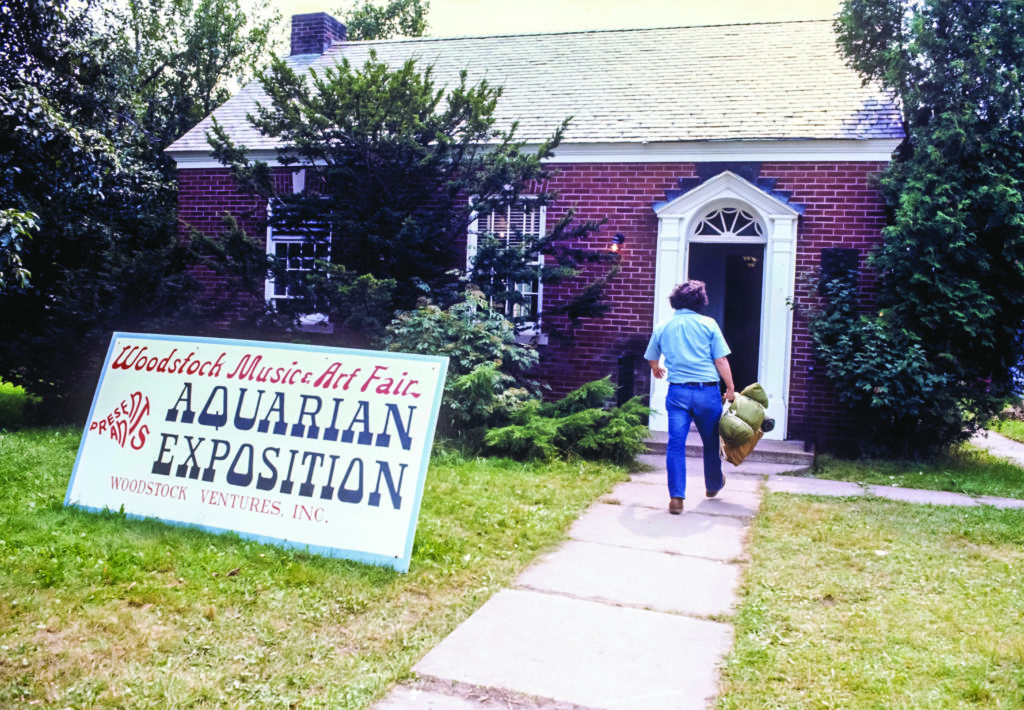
675 229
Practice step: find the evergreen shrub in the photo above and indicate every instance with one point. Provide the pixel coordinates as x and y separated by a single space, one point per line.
576 426
883 375
491 404
487 368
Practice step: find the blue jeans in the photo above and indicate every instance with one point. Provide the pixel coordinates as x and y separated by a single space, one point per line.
703 405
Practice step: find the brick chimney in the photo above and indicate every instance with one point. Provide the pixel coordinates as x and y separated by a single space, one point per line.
314 32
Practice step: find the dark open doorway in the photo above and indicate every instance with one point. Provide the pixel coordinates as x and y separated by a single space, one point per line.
734 275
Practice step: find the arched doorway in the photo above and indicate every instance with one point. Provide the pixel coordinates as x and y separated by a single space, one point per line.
741 240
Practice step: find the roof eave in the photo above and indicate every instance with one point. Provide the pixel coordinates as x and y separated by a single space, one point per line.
754 149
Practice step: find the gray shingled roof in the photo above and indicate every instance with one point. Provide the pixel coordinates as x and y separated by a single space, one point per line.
781 80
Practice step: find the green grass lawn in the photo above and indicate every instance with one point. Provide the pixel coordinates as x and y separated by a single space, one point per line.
102 611
867 603
1010 428
847 603
968 470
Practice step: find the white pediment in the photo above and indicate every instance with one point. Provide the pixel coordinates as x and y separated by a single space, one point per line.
726 185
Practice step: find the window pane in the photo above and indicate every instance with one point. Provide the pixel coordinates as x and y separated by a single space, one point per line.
298 256
510 226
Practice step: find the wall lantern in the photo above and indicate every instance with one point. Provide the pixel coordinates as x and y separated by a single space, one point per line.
617 241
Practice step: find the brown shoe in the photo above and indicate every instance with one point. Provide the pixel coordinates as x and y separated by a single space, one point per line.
712 494
675 506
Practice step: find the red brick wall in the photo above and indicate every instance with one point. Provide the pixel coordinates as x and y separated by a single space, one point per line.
842 209
623 194
314 32
205 198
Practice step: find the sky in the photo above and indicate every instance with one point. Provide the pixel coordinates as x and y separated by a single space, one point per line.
449 18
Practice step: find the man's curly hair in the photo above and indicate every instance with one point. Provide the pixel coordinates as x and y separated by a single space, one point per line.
689 294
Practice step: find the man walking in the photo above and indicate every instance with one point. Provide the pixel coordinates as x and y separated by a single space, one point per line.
696 355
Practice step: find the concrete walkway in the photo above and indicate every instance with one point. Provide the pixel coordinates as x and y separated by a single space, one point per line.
633 611
1000 446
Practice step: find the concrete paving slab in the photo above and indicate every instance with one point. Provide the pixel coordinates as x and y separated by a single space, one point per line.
651 459
764 468
751 469
734 481
695 477
442 694
1000 502
813 486
716 537
402 698
693 463
578 651
652 580
737 504
734 500
914 495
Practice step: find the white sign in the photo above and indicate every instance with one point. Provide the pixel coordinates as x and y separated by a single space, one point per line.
319 448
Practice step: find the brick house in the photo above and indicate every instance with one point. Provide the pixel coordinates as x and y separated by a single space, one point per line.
736 154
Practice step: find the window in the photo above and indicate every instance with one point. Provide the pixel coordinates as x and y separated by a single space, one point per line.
298 249
728 222
511 226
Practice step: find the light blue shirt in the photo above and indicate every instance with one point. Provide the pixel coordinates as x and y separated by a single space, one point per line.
690 343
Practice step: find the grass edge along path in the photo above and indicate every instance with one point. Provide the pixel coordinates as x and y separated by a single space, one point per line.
865 603
968 470
101 611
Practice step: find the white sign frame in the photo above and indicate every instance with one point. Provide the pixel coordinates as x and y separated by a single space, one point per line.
227 435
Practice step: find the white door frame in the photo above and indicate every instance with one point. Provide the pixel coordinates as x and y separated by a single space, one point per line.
676 221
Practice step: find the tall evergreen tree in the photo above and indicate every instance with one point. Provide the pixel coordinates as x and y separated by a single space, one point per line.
951 269
396 170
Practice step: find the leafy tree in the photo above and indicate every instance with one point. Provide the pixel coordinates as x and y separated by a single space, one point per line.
15 228
90 95
397 169
178 60
951 269
88 218
397 18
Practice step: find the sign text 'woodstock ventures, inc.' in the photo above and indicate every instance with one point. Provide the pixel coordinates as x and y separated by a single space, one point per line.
314 447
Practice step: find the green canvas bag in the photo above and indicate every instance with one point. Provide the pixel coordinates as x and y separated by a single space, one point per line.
734 430
756 392
748 410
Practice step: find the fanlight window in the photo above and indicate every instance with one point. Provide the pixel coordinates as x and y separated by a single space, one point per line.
728 222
